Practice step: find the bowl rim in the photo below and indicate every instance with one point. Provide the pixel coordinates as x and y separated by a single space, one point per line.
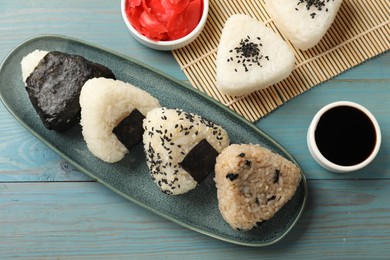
321 159
179 41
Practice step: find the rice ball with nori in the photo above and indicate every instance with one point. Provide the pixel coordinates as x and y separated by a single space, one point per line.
253 184
105 103
181 148
55 83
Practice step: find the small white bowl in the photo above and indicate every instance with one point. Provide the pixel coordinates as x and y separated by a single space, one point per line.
167 45
324 162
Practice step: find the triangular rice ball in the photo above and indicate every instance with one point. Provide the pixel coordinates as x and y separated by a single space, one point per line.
181 148
250 57
303 22
104 104
253 184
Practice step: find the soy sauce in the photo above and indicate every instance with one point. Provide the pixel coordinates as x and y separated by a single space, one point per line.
345 135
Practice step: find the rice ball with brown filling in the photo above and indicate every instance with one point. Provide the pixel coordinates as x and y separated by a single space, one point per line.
253 184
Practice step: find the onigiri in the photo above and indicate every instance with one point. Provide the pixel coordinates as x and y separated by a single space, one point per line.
303 22
105 103
250 57
253 184
181 148
53 81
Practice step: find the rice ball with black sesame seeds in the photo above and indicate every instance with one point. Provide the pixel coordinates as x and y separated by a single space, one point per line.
253 184
181 148
304 23
250 56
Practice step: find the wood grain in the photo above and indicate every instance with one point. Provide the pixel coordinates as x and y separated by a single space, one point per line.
341 216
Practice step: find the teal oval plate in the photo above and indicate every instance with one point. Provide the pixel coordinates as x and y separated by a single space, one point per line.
197 209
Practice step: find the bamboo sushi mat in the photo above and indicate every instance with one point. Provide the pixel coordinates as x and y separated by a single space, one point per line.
360 31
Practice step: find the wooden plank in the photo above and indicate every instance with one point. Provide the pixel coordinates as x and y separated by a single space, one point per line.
343 219
23 157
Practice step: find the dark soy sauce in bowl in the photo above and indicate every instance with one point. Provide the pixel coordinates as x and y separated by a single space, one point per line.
345 135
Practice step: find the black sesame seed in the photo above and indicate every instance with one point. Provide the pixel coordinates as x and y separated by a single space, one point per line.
259 223
271 198
248 53
231 176
317 4
276 176
248 163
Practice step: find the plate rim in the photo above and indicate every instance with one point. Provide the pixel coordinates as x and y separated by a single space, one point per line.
236 116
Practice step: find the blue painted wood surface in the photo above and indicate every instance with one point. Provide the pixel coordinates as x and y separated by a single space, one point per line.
50 210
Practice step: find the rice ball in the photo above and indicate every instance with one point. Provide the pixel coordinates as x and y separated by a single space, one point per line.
304 23
253 184
250 57
181 148
104 104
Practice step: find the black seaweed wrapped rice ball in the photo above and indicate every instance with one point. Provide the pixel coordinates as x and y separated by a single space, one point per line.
55 84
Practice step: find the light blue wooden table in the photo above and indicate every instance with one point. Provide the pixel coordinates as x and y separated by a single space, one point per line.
49 210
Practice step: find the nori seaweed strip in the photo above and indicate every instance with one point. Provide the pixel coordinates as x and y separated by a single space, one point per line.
200 161
129 131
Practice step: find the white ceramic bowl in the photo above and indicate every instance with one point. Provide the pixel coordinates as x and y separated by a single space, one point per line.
324 162
167 45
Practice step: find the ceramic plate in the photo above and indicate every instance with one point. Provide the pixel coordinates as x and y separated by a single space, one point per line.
196 210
